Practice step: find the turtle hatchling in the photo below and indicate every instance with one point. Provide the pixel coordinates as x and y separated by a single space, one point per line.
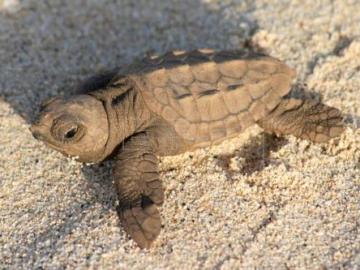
170 104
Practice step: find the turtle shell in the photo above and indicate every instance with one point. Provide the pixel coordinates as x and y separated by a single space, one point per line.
208 96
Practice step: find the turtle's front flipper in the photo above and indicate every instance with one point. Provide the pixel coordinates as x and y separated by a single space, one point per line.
139 189
304 118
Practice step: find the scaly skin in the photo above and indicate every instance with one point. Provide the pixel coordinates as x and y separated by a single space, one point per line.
171 104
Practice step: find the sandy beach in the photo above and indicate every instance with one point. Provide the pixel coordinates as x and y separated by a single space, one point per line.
253 202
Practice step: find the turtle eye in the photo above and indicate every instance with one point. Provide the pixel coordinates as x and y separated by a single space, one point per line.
67 129
70 133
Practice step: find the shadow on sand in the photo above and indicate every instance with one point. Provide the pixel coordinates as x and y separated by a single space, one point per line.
50 47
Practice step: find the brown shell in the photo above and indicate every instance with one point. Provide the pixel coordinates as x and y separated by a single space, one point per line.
207 95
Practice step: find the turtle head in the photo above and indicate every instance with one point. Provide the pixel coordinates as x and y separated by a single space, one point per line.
76 127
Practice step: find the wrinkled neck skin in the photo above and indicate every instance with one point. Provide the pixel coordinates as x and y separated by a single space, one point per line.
127 114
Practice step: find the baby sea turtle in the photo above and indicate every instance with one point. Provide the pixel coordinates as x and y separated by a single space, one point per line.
170 104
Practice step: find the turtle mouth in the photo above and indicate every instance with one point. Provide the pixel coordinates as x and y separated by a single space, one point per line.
53 146
37 135
63 152
37 130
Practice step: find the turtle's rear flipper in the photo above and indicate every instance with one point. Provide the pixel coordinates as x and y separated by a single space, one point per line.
304 118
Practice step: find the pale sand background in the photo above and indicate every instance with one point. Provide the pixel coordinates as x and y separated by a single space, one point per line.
262 203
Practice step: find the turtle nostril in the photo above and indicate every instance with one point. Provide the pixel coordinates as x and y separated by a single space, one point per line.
36 135
35 122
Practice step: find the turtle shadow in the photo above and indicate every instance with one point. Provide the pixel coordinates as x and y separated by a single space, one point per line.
352 121
254 156
301 91
98 181
40 66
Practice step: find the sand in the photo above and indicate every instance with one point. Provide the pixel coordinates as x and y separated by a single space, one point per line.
254 202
